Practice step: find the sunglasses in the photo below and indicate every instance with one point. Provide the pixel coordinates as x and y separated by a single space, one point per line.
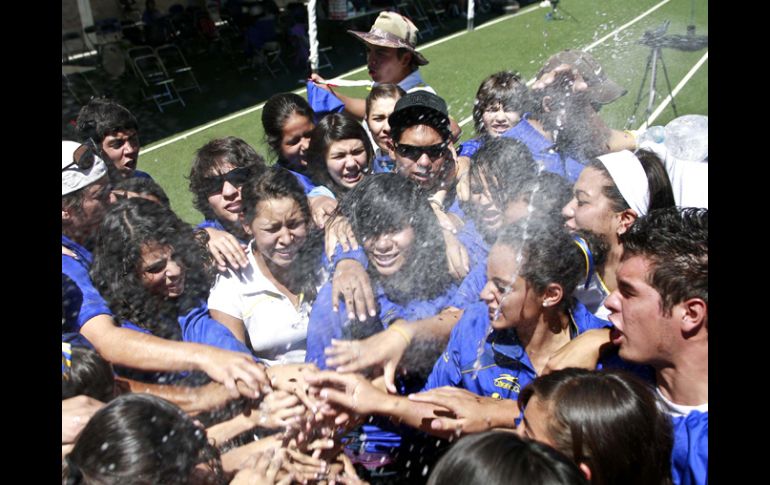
415 152
237 177
84 157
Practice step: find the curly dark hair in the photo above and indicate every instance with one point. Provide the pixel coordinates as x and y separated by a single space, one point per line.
217 152
141 439
102 117
129 225
276 183
89 375
333 127
675 240
387 203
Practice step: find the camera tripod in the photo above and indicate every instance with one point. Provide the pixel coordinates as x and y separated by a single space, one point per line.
557 13
655 57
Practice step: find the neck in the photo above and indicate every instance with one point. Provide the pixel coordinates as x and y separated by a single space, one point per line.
547 334
79 238
686 381
609 270
272 271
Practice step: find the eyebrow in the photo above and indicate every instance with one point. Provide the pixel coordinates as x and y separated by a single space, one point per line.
626 287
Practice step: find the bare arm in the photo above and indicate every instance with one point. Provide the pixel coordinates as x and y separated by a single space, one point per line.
192 400
354 106
147 352
235 325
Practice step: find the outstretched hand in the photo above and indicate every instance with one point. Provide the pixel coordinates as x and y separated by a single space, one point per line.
471 413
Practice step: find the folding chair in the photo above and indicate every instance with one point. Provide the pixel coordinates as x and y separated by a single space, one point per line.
176 64
269 56
158 85
416 14
432 8
134 52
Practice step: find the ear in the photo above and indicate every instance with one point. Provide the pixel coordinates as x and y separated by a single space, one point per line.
626 218
586 471
406 59
553 295
546 104
694 315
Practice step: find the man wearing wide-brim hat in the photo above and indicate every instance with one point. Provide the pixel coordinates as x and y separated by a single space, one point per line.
391 57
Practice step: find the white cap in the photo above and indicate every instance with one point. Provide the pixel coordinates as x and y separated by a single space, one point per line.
73 178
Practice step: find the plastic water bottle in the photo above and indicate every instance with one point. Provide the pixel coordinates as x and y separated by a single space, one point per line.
655 134
687 137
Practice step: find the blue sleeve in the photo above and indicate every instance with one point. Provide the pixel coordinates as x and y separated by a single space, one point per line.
210 223
322 101
80 300
469 147
325 324
357 254
447 370
306 183
142 175
690 456
470 288
199 327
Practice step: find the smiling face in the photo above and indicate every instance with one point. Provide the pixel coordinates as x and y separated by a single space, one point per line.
589 208
346 161
483 210
159 272
279 230
497 121
514 299
295 140
390 252
377 120
122 148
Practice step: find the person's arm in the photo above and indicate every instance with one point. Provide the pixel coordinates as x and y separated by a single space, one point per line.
235 325
146 352
354 106
584 351
385 349
192 400
278 409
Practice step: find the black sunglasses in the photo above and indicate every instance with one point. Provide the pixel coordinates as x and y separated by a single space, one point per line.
415 152
84 157
237 177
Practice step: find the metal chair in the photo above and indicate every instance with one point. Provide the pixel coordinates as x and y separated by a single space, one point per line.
176 65
134 52
158 85
414 11
432 8
269 56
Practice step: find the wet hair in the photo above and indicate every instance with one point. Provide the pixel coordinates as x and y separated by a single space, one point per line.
277 183
552 193
89 374
675 243
217 152
129 225
661 193
387 203
381 91
610 421
501 88
277 111
102 117
334 127
140 439
508 168
502 457
143 186
549 255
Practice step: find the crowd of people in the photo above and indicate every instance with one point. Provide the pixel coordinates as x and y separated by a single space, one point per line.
380 303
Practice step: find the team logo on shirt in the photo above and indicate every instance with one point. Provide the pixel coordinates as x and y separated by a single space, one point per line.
508 382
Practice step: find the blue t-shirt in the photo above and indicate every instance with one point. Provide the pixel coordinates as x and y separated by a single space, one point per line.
504 367
142 175
80 300
469 147
543 150
690 456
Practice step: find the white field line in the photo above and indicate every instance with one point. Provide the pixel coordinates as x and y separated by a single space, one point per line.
595 43
676 90
301 90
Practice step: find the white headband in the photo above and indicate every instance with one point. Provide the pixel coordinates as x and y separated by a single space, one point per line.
628 174
74 178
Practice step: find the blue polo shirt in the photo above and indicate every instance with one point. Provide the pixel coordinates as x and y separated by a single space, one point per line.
543 150
504 367
690 456
80 300
469 147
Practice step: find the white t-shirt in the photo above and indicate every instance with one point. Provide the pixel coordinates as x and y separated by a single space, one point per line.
689 179
680 409
277 329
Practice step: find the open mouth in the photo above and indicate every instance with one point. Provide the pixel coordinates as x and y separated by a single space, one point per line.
616 336
352 177
385 260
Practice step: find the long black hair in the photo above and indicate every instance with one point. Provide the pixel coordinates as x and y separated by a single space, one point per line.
277 111
128 225
140 439
387 203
